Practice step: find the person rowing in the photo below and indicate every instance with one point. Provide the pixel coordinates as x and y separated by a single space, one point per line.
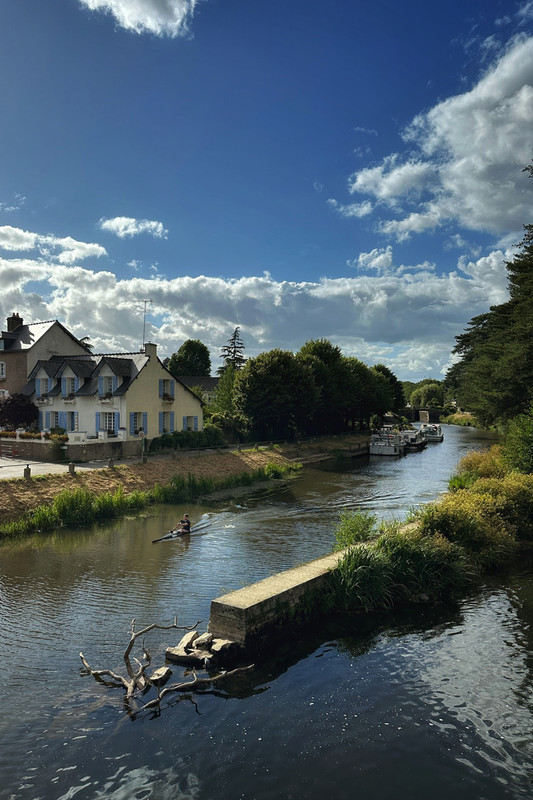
184 525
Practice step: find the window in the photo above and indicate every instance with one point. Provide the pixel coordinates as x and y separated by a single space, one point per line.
107 421
2 370
71 385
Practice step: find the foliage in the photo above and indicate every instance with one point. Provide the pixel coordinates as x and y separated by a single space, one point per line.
474 521
232 352
16 410
211 436
428 393
354 527
517 452
398 401
276 393
223 401
192 358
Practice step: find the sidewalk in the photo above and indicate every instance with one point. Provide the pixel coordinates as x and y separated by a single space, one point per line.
14 467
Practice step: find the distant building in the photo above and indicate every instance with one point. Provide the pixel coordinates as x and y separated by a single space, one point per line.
22 346
207 385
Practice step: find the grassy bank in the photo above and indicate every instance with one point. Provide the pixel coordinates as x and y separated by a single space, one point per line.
479 526
79 506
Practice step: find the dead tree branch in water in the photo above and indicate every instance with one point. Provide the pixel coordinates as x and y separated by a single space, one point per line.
138 682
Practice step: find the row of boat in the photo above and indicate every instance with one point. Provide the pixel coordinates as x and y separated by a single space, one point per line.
391 442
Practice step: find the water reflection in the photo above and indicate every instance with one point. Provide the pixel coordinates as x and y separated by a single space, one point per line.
435 701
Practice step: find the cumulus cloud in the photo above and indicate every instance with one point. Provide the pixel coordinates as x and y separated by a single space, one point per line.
469 153
158 17
124 227
69 249
381 316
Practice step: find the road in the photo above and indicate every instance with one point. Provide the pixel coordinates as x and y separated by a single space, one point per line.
14 467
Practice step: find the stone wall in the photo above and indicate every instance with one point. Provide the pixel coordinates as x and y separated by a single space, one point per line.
247 615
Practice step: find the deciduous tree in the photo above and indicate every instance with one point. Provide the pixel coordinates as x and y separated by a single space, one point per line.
192 358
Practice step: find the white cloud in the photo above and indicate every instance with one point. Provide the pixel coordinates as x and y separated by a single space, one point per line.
159 17
70 250
352 209
471 151
406 317
16 205
128 226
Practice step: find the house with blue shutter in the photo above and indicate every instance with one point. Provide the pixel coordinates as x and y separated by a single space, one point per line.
112 396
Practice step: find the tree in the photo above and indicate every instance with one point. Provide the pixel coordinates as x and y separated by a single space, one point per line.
428 393
192 358
333 382
494 375
232 352
276 393
398 401
223 401
17 410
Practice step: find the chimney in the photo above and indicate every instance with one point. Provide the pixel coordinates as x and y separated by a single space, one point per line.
14 322
150 349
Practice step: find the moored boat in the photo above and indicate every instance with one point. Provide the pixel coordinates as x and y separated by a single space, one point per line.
387 442
433 432
415 439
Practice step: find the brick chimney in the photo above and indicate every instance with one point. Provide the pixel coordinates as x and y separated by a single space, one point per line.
14 322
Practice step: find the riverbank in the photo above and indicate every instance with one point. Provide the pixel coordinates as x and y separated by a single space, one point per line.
20 495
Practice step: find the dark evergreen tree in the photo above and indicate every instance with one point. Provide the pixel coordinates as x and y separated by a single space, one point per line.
232 352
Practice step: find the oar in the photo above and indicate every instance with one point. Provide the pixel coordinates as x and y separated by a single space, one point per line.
171 535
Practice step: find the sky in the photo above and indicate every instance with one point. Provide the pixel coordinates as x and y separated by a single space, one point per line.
173 169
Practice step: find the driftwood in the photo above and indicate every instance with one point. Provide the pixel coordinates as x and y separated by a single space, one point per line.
137 682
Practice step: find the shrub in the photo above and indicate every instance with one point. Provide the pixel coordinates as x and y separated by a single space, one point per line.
517 453
514 495
362 580
475 521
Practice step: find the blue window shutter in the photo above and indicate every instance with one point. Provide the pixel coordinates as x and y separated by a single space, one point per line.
37 387
161 421
145 423
76 384
132 423
161 387
117 421
100 386
97 423
40 420
47 418
62 419
64 387
172 388
115 383
49 384
171 422
195 423
184 423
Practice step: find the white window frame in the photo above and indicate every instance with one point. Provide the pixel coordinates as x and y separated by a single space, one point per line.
2 370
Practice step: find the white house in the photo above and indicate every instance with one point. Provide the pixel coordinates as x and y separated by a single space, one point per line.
122 395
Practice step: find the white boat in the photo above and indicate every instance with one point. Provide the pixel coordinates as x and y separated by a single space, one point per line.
414 438
387 442
433 432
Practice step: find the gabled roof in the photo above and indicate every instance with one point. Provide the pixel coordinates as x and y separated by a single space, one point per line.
26 336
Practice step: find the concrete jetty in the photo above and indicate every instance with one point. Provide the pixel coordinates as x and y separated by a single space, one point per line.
247 614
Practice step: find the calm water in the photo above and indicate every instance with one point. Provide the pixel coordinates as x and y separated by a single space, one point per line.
405 705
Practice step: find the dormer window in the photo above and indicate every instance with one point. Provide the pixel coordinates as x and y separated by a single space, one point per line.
107 384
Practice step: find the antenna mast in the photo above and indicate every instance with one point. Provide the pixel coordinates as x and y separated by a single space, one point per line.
144 320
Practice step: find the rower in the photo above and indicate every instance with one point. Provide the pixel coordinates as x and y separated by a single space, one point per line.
184 525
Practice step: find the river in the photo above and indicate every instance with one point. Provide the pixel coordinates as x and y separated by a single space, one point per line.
437 702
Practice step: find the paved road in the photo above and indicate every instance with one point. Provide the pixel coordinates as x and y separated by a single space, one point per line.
14 467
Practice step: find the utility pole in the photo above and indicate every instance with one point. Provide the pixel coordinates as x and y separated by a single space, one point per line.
144 321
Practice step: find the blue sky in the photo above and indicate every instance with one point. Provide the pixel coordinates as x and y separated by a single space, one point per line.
350 171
